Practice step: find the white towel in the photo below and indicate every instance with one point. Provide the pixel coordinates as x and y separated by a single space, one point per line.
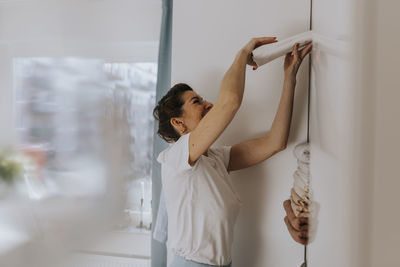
269 52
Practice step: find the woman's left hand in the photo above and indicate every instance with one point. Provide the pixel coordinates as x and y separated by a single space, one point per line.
297 227
302 229
294 58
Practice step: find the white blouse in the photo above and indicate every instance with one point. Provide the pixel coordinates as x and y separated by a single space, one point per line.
202 203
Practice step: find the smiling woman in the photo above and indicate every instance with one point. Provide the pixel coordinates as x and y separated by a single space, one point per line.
180 111
194 109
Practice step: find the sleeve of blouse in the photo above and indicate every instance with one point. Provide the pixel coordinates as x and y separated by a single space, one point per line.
177 156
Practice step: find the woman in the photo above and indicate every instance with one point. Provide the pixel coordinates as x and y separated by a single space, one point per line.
201 202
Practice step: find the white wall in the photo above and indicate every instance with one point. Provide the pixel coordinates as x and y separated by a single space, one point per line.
333 126
355 134
206 37
385 217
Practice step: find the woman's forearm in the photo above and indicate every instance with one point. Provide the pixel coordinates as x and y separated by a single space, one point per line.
232 85
281 125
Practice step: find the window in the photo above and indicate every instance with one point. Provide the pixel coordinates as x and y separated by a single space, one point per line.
135 83
57 101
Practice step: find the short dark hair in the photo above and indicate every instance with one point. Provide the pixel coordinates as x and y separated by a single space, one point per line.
170 106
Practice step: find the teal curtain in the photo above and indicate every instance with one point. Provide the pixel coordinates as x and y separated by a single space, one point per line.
158 250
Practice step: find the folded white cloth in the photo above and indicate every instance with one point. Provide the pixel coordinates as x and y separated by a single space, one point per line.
269 52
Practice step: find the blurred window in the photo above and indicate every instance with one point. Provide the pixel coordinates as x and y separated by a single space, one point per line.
55 102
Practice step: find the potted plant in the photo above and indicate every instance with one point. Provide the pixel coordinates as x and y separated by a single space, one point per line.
11 170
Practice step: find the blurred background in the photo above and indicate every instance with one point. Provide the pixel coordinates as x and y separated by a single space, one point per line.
78 86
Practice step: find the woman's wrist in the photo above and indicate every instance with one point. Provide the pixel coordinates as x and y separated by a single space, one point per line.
290 74
289 77
243 53
242 57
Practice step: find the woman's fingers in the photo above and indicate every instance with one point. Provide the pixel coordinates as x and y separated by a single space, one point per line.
253 44
300 54
296 52
302 230
288 209
298 236
305 50
263 40
298 223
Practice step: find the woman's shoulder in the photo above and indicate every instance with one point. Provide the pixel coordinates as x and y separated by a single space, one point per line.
177 154
178 146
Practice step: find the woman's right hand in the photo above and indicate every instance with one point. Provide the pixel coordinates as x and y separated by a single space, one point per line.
253 44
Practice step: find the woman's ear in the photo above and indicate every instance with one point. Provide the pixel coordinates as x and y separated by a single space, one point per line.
178 124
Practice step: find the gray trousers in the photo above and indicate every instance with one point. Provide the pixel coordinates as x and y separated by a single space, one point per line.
178 261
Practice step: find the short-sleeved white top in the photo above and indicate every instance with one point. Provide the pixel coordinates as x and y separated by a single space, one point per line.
202 203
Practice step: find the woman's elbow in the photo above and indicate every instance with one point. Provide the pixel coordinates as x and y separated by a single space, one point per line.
282 147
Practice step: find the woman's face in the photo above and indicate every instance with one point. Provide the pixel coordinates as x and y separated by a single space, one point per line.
194 109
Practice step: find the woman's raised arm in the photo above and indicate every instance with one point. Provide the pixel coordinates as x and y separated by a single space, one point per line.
229 100
256 150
